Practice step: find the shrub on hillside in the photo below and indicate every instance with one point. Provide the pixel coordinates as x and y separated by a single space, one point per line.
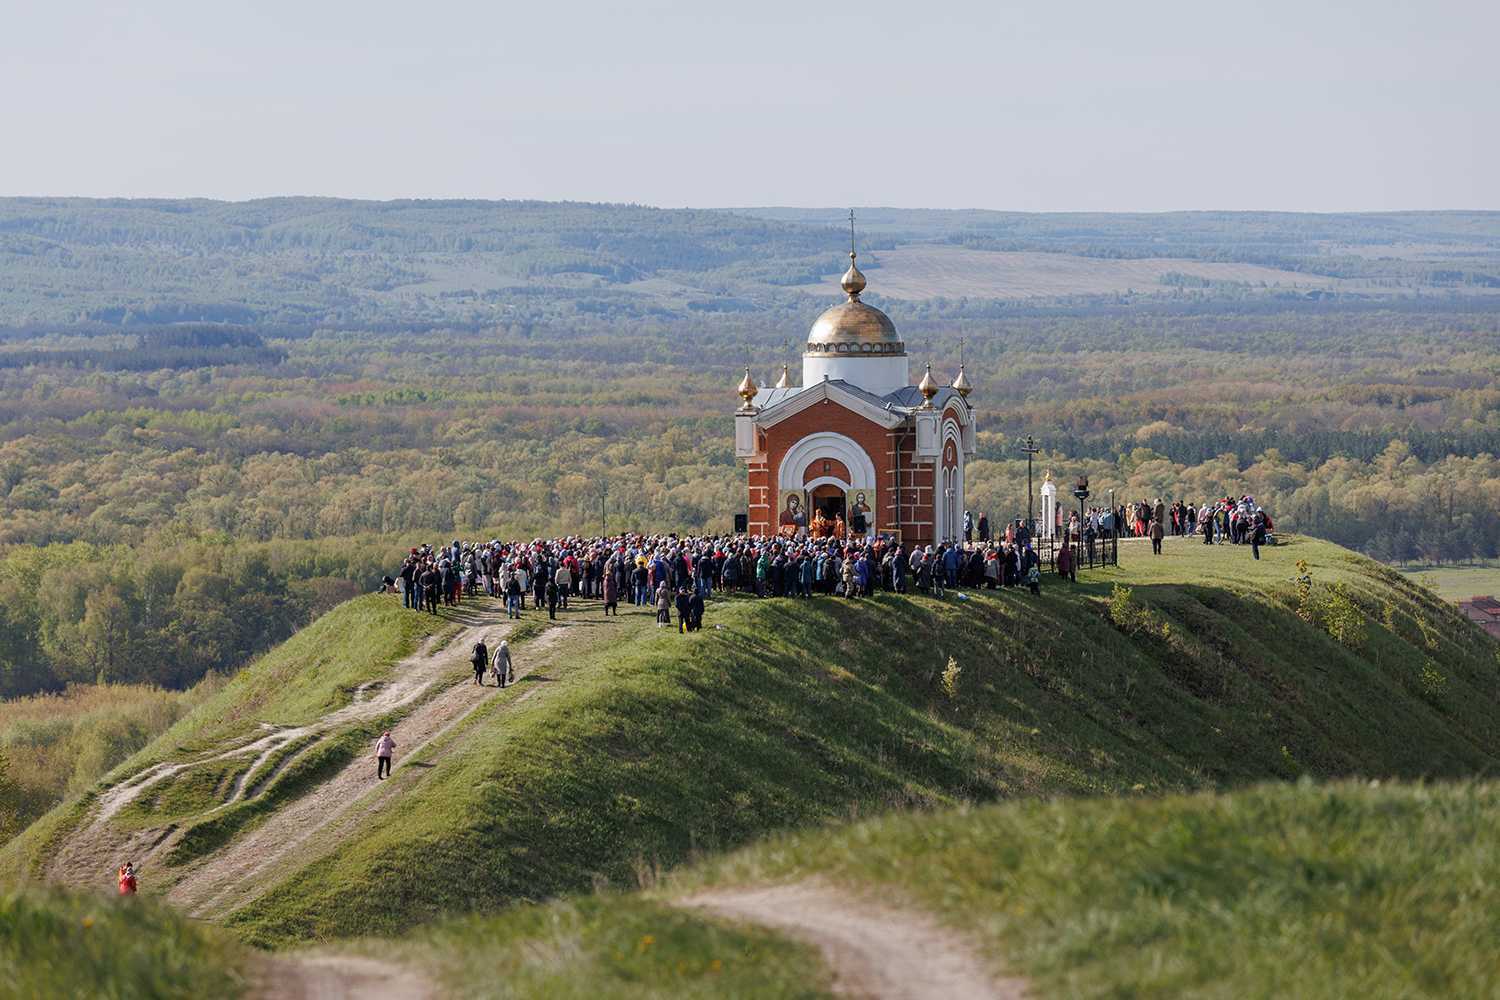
1342 618
1134 618
951 675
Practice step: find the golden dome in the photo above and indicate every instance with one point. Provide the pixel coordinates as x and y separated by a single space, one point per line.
854 328
961 384
928 387
747 388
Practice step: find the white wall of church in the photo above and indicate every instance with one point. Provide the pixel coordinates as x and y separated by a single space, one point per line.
877 375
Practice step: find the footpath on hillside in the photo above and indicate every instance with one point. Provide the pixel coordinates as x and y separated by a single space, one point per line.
873 949
433 686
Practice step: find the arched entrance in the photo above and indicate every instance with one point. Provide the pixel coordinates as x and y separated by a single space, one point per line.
831 493
829 498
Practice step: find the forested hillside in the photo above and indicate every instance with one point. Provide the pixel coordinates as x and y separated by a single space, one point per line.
301 263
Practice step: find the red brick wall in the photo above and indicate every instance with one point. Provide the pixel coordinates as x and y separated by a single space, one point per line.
915 481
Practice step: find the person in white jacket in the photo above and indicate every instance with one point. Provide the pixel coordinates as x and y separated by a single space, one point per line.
504 672
383 749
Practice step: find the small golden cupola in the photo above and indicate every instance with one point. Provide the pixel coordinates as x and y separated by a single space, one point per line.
747 390
961 383
785 382
928 387
853 281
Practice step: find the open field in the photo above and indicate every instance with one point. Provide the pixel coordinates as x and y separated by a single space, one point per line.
1455 583
918 271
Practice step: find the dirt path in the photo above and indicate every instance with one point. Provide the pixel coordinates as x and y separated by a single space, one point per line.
323 818
335 977
90 854
873 950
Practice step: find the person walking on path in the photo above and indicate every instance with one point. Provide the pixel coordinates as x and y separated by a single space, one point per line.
1257 534
127 879
505 674
384 747
480 658
550 591
1156 535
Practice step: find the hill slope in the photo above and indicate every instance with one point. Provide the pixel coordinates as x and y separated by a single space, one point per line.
1280 890
627 749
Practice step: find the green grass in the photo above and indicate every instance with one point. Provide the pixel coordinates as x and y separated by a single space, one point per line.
309 675
1275 891
1141 852
55 944
647 749
1455 583
611 946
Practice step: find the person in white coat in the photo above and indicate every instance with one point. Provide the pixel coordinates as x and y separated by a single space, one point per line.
504 672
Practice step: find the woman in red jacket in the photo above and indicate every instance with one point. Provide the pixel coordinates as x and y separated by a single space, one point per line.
127 879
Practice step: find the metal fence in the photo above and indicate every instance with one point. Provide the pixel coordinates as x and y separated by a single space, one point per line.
1088 553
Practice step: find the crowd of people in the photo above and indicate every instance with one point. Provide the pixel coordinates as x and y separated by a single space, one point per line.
674 575
1237 521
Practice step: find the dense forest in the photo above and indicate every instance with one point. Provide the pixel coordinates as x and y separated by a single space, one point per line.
179 488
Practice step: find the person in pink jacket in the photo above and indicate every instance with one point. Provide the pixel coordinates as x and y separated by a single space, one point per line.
383 748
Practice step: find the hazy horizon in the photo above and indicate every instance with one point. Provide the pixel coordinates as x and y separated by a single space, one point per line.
1346 108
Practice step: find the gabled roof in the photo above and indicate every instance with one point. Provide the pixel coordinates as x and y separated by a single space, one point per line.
890 410
778 404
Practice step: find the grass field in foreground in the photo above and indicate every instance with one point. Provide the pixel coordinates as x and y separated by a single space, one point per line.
1292 890
59 944
644 749
1286 890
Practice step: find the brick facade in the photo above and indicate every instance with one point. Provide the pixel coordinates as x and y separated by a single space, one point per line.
903 502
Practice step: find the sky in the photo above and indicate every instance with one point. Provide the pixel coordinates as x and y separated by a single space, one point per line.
1039 106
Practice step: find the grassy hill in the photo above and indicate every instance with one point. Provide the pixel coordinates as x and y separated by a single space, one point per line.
629 750
1292 889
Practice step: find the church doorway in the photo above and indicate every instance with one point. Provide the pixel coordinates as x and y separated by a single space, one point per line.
829 498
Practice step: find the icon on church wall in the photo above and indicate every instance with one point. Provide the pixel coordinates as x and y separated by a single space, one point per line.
861 518
793 513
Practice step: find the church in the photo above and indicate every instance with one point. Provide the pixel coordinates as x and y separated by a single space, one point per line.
856 446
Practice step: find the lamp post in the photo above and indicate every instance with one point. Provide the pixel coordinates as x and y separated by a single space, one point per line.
603 492
1030 448
948 513
1081 491
1114 530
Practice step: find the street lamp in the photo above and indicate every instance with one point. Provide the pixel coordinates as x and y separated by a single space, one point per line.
1030 448
1081 491
603 492
1114 529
